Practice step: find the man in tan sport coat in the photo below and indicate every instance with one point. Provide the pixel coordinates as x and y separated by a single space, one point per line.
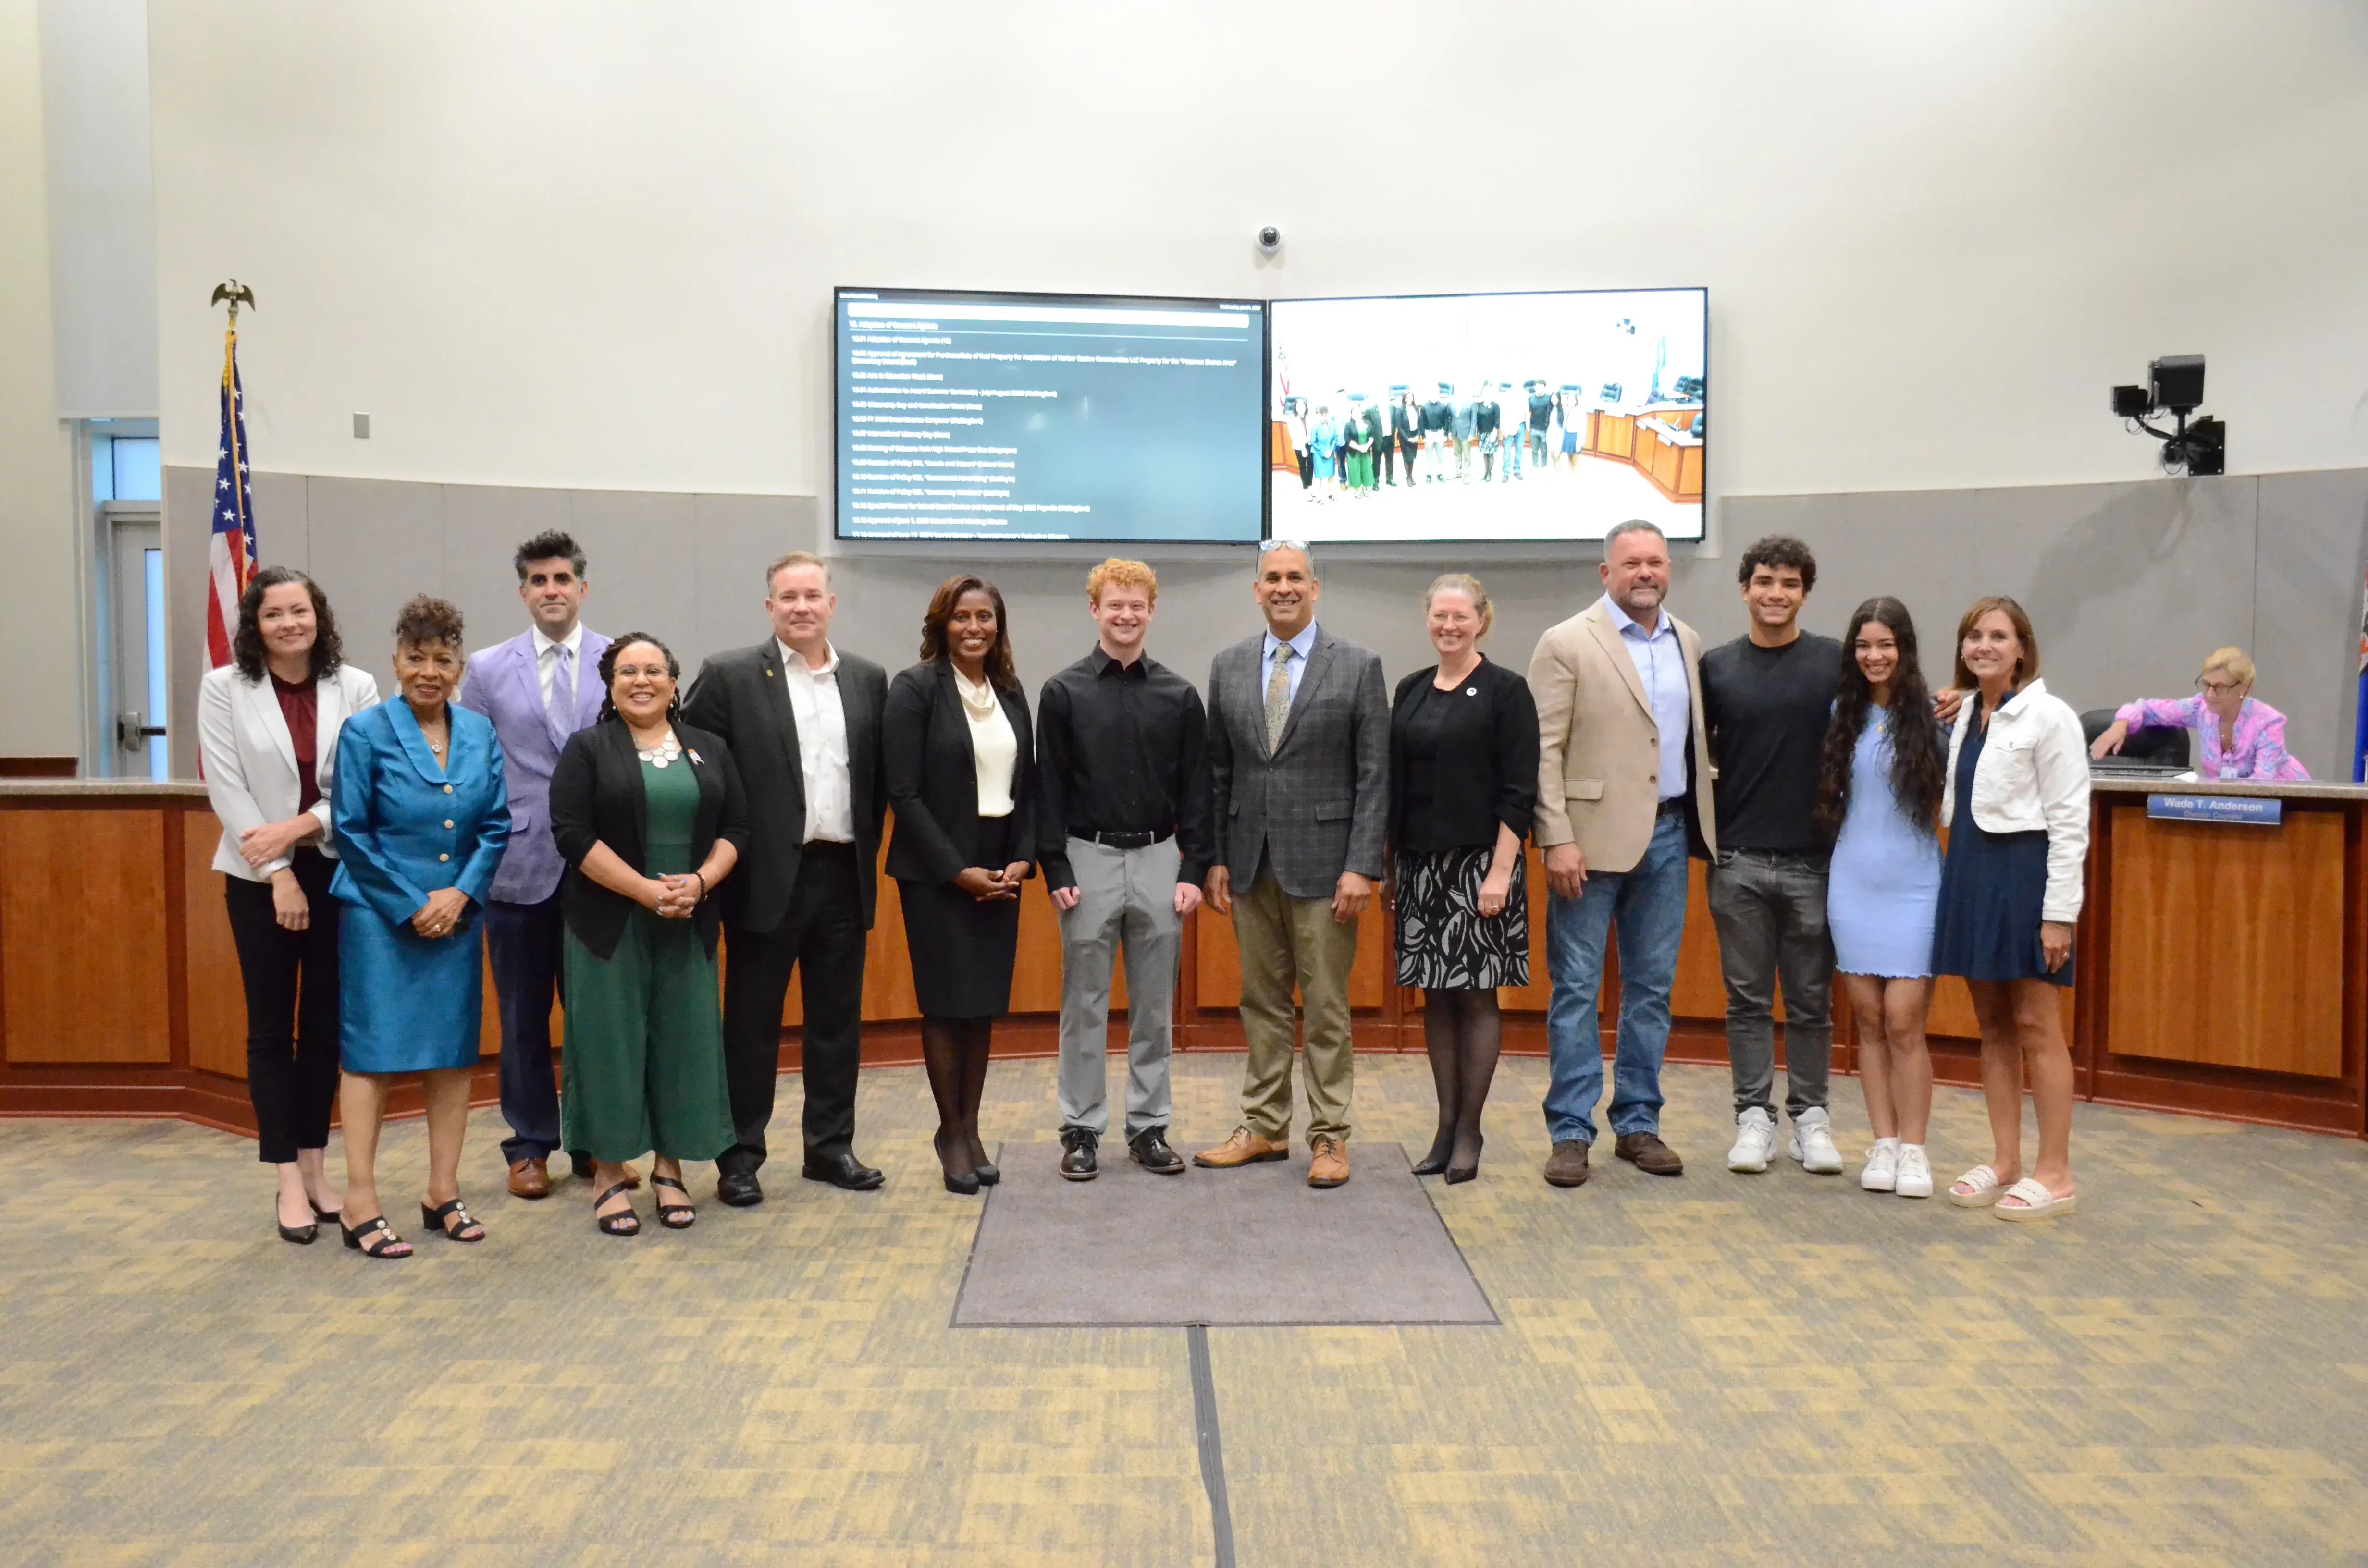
1623 791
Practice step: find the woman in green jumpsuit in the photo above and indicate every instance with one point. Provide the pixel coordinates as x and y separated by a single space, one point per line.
649 816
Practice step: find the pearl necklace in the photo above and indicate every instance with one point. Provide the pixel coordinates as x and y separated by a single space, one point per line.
664 752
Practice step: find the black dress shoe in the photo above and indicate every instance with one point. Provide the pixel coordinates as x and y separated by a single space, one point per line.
739 1188
1150 1149
1078 1161
843 1169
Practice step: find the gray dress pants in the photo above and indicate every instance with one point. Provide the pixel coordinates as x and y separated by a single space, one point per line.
1126 898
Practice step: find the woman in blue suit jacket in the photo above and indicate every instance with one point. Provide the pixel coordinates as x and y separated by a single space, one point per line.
421 817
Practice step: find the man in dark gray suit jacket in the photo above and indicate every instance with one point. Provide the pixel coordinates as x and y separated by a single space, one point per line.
1299 767
803 720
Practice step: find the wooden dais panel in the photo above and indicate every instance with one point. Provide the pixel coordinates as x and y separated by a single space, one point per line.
2227 942
82 937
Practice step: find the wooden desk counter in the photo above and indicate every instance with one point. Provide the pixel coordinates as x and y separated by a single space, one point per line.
2223 969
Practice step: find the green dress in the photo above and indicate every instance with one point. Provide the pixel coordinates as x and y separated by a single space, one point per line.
643 1068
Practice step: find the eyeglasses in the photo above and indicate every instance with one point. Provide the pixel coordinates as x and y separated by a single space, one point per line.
2219 687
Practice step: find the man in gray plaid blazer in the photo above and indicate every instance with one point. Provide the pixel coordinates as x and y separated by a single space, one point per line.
1299 767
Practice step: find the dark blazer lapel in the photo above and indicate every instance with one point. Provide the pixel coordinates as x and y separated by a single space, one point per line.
1319 660
781 714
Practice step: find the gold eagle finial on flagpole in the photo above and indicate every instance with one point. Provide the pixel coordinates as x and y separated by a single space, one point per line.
238 294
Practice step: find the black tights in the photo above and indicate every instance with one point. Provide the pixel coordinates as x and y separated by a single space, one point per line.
955 1049
1463 1033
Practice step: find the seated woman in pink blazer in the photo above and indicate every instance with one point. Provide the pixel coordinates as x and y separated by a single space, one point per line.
2242 738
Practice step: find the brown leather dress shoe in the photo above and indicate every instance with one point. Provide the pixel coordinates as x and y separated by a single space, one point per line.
1244 1147
1648 1154
1568 1166
530 1178
1327 1165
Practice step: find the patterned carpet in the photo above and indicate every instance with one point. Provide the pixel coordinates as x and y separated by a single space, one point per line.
1718 1369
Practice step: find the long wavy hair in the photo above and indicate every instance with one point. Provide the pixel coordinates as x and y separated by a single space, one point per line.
247 642
608 672
1001 673
1918 771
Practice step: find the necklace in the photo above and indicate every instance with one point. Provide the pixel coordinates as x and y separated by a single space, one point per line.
664 752
983 704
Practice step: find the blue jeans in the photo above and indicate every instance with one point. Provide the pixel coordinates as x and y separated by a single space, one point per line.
1649 903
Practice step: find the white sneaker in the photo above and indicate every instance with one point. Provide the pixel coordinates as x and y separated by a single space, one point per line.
1813 1144
1881 1172
1755 1140
1915 1172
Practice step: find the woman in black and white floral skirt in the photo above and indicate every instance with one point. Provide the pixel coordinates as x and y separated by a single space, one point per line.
1464 781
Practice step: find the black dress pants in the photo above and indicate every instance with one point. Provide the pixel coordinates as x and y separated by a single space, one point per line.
291 1008
821 938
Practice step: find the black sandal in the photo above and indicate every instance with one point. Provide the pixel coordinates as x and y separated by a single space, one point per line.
666 1212
624 1223
434 1219
382 1248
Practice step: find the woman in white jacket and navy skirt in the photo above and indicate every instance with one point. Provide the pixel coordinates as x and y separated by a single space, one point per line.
2017 808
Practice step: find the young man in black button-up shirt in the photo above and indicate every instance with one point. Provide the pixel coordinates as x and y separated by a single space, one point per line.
1124 840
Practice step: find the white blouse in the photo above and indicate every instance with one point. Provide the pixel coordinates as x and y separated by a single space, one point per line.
991 744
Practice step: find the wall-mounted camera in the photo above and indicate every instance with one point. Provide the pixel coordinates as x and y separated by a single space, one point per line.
1269 240
2175 386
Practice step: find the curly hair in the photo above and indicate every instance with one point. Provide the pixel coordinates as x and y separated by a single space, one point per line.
427 619
608 672
550 545
1118 571
1779 549
1000 671
247 642
1918 773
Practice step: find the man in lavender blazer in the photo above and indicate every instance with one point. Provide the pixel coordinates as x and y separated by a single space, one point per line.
539 688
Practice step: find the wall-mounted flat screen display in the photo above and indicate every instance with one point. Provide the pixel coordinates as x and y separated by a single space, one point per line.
1049 417
1488 416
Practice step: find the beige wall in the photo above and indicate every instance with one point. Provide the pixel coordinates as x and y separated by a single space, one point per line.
40 591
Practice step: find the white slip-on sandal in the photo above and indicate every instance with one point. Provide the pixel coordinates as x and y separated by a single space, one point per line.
1985 1188
2033 1202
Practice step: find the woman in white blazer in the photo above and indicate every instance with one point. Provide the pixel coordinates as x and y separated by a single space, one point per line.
267 726
2018 812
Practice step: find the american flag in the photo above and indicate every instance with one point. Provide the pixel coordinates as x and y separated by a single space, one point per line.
231 559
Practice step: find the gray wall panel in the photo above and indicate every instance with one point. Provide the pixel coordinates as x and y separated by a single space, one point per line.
375 543
484 525
2129 584
641 559
2306 609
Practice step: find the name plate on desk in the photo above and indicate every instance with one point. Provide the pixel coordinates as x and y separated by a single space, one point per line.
2253 811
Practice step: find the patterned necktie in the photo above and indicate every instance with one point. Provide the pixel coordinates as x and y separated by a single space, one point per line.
562 695
1277 696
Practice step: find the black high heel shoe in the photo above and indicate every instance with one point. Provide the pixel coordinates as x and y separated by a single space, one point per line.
667 1213
1436 1161
456 1226
300 1234
381 1249
1458 1174
624 1223
967 1185
325 1216
987 1172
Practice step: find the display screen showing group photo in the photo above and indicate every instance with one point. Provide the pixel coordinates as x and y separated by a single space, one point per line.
1488 416
1049 417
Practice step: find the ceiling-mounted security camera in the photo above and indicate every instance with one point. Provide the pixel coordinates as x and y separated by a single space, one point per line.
1269 240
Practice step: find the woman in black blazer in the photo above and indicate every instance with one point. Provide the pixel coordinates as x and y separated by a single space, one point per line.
1464 781
649 816
961 776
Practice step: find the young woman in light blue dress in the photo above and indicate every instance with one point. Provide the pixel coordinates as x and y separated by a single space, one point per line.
1879 788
